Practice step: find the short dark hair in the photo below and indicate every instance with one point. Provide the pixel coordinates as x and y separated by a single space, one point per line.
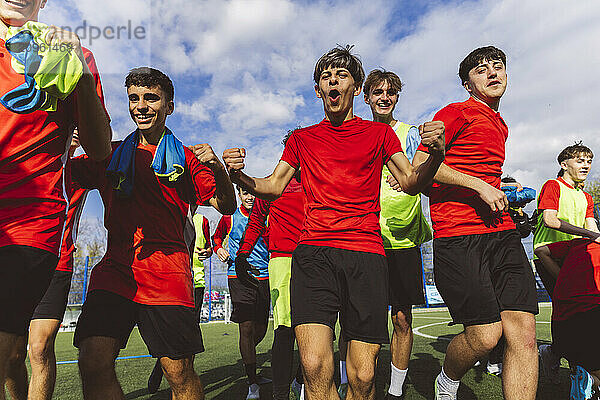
377 76
508 179
149 78
341 57
477 56
573 151
288 134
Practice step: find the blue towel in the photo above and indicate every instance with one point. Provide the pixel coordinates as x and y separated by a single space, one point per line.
168 162
121 169
169 159
519 197
26 98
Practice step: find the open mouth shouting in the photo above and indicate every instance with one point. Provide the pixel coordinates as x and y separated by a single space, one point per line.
494 83
334 95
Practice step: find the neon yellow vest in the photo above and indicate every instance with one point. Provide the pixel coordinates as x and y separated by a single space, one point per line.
402 222
198 266
572 207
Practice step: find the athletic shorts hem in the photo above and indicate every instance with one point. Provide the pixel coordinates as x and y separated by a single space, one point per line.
54 303
522 308
477 322
348 336
313 321
179 356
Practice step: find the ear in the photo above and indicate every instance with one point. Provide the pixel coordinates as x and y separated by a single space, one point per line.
467 86
357 90
367 99
170 107
563 165
317 91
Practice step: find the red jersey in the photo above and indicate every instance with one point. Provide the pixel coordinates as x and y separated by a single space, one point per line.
77 196
33 151
340 170
282 218
549 197
577 288
475 145
147 259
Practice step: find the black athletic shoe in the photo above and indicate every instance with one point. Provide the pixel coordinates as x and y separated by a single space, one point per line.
155 378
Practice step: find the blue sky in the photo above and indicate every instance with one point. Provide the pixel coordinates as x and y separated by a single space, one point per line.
242 69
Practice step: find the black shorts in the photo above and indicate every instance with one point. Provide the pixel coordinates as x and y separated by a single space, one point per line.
168 331
479 276
54 302
249 304
576 339
405 272
25 273
327 280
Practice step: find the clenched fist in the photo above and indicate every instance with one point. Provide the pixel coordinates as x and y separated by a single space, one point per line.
205 154
234 159
432 136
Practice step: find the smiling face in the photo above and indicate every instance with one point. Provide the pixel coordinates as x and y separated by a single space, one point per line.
487 81
149 108
382 99
18 12
246 198
577 169
336 87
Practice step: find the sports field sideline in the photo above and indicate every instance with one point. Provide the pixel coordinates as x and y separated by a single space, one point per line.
223 379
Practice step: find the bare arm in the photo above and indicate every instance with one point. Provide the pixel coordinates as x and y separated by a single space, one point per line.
495 198
413 179
551 220
92 122
545 256
590 224
268 188
224 198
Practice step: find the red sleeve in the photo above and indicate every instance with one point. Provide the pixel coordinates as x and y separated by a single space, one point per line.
202 178
391 144
454 124
290 152
561 249
91 63
589 213
206 232
256 225
549 196
221 232
87 173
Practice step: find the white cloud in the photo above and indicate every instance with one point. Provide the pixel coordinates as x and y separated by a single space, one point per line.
247 65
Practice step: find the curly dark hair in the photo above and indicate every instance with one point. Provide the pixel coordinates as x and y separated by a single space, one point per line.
149 78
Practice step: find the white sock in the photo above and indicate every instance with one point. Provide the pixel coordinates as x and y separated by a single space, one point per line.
447 385
397 380
343 376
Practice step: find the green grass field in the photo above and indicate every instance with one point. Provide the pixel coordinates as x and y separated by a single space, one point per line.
221 370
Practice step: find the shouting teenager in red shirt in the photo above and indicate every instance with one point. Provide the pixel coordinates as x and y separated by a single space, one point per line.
145 276
481 268
339 264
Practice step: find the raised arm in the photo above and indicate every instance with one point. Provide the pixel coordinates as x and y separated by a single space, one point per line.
413 179
92 121
268 188
224 198
495 198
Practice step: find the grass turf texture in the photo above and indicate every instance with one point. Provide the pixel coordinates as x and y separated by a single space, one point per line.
221 369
